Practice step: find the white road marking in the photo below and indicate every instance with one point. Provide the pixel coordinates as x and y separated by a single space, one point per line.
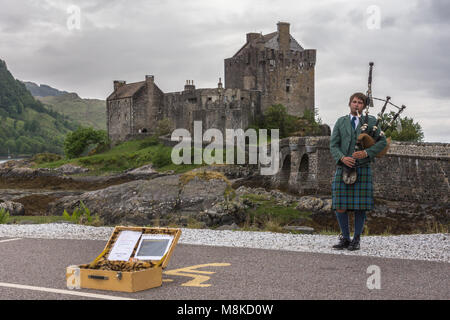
10 239
60 291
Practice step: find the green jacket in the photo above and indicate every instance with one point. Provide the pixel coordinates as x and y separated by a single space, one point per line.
343 140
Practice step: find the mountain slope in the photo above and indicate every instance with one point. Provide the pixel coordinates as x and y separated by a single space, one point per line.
42 90
27 125
87 112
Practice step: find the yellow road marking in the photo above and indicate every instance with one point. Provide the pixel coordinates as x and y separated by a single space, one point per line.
192 272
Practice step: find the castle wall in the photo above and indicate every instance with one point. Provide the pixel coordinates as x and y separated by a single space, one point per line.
283 77
140 112
118 114
148 104
215 108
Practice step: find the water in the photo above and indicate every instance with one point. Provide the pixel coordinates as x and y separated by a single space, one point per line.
4 160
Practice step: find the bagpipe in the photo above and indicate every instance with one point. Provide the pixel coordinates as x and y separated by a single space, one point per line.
369 136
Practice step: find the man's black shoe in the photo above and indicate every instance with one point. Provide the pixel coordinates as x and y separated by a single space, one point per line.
343 243
354 245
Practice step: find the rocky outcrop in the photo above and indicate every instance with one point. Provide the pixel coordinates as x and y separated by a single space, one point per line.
168 198
14 208
204 197
69 169
20 176
387 217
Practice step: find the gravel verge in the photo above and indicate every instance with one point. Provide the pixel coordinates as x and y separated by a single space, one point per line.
430 247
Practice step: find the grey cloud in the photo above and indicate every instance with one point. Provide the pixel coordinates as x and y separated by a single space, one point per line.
177 41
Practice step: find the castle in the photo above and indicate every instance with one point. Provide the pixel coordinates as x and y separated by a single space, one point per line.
268 69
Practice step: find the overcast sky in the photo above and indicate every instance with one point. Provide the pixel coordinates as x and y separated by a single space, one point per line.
409 41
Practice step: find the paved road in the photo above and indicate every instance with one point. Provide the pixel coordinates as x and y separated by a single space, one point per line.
207 273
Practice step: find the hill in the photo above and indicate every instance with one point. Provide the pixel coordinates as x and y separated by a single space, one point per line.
87 112
42 90
28 126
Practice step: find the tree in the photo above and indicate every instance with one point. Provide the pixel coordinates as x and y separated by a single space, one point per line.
163 127
77 141
275 117
403 129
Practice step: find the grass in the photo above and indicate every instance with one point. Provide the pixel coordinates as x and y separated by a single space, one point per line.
34 219
82 215
127 155
87 112
267 214
4 215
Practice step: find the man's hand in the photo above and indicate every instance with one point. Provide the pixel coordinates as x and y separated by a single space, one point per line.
359 154
348 161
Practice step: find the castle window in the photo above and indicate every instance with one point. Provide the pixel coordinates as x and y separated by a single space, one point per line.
288 85
209 99
192 100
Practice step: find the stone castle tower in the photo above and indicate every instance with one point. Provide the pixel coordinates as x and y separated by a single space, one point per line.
268 69
276 65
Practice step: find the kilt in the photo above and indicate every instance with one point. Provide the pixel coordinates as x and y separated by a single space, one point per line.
358 196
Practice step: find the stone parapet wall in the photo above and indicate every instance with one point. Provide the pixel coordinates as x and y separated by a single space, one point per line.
420 148
409 172
412 178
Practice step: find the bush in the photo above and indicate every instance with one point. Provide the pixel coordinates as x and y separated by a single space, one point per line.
45 157
163 127
4 215
77 141
82 215
148 142
276 117
162 157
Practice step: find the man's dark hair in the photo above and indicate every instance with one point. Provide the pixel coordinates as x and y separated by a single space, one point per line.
360 96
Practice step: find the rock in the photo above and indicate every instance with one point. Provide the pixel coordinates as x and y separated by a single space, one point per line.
233 226
143 171
310 203
14 208
327 207
71 169
140 202
301 229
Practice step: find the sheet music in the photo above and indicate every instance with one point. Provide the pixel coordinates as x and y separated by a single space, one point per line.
124 245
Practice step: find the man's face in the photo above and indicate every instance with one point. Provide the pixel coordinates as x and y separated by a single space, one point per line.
356 106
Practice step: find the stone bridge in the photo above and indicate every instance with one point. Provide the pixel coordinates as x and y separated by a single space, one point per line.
417 172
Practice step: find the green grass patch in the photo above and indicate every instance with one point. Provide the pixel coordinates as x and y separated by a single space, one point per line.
4 215
34 219
269 214
127 155
82 215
